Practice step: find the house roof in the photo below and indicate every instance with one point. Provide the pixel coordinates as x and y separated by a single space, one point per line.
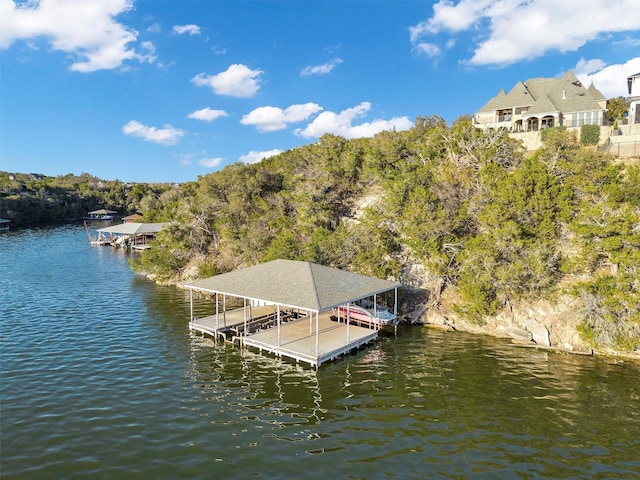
295 284
595 93
133 228
518 96
543 105
102 211
549 95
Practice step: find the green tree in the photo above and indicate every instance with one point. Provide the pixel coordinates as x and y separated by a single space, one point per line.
617 108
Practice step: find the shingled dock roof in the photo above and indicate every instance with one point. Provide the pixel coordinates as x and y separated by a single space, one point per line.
295 284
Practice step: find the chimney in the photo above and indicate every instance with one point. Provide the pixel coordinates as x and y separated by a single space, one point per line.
564 94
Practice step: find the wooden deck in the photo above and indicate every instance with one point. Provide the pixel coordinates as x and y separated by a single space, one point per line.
295 339
232 321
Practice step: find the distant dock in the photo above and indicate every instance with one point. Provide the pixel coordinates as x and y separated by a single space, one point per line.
101 215
131 235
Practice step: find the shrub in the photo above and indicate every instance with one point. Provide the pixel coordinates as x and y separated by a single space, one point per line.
545 132
590 134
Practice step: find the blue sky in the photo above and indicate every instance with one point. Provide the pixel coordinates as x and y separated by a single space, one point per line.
166 91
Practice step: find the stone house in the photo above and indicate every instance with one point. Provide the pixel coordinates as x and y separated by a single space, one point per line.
542 103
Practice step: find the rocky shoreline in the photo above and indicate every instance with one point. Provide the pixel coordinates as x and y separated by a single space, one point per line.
540 325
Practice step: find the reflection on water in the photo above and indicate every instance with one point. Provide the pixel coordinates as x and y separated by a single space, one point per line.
101 377
254 387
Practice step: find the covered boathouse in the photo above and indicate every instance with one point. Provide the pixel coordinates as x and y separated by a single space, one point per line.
128 234
289 309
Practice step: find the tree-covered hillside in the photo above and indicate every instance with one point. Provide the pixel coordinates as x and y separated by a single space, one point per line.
485 221
28 199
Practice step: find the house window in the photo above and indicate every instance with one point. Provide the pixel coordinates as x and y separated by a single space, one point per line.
504 115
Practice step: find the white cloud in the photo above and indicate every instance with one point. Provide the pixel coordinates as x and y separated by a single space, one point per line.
451 17
218 50
321 69
509 31
190 29
211 162
255 157
164 136
148 57
611 80
86 30
628 42
341 124
237 81
207 114
585 67
430 49
270 119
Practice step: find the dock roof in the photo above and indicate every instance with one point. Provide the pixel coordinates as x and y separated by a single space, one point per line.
131 228
102 211
295 284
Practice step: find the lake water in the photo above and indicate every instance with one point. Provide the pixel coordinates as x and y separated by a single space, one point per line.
101 378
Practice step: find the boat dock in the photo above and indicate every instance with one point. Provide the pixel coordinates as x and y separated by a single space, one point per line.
294 337
290 309
231 323
131 235
297 340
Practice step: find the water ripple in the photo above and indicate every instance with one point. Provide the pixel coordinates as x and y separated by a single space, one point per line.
101 378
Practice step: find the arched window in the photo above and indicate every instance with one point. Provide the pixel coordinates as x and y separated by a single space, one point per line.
547 122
